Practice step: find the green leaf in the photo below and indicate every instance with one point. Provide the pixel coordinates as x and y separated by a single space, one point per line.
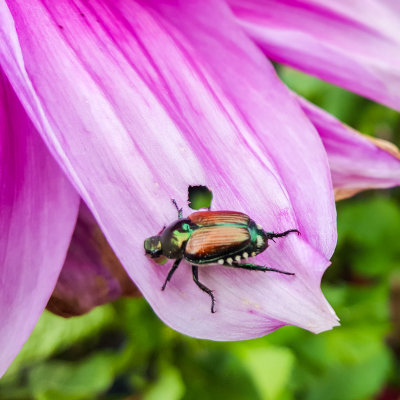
53 333
270 368
169 386
368 233
352 381
72 380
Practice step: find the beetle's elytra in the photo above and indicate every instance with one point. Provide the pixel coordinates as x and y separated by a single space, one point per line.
212 237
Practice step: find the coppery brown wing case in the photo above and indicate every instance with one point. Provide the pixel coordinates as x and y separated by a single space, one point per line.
211 243
204 218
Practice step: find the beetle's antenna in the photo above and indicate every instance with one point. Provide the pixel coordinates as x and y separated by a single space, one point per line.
177 209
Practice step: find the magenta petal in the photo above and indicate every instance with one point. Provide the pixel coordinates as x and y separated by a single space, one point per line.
37 215
357 162
139 102
351 43
92 274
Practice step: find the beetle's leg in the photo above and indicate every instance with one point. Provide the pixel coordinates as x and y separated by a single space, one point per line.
177 209
272 235
171 272
254 267
195 270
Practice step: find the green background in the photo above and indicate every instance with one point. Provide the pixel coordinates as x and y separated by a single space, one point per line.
123 351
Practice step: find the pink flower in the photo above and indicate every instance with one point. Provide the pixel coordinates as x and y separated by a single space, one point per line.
124 104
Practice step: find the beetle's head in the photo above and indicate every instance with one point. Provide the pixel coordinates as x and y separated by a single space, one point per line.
152 247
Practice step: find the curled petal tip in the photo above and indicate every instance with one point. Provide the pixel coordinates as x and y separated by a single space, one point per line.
358 162
327 321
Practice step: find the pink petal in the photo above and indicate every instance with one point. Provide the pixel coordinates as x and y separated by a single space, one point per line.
37 215
357 162
139 102
351 43
92 274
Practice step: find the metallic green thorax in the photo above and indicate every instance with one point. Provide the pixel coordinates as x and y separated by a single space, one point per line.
171 241
175 236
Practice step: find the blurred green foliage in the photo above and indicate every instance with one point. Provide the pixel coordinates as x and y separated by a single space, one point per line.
123 351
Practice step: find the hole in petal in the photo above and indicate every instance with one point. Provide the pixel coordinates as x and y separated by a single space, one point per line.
199 197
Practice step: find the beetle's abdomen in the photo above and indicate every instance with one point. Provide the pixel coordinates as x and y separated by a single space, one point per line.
205 218
211 243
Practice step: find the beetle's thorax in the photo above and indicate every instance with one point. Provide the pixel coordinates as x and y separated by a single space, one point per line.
175 237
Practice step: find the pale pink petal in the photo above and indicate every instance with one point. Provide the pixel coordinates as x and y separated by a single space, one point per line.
38 209
351 43
138 102
92 274
358 162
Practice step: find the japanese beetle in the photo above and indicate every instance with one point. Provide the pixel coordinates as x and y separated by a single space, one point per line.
211 238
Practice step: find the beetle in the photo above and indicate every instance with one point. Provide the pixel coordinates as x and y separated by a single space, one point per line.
211 238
